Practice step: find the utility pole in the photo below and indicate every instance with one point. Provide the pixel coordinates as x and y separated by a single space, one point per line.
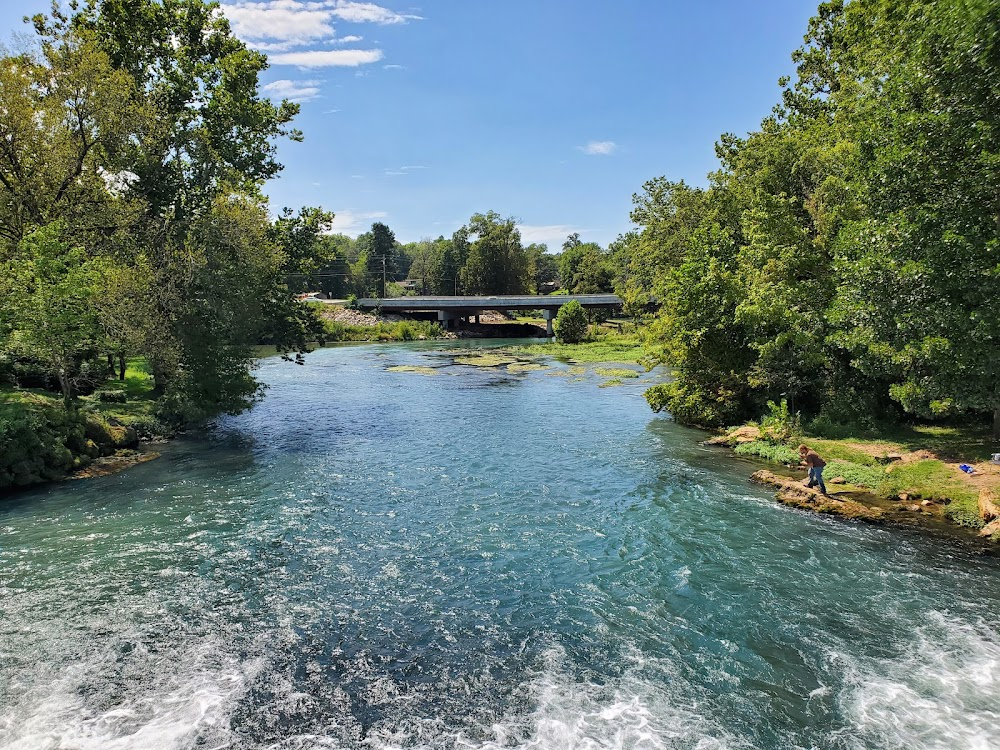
383 277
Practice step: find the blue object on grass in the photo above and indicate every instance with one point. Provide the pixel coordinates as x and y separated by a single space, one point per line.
966 468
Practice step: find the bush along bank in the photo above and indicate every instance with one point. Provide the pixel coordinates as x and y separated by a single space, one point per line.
912 476
42 441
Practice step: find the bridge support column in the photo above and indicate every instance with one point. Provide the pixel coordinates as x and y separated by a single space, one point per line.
549 315
447 319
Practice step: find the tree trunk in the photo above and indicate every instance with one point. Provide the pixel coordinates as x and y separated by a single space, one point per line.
67 388
159 380
996 422
111 363
121 365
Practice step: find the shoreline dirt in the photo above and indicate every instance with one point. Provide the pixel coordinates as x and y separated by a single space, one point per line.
106 466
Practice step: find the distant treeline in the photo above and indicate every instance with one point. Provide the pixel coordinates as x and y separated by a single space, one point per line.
485 256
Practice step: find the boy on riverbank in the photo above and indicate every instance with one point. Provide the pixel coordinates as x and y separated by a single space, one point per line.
811 459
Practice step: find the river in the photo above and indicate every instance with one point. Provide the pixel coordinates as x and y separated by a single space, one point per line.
474 559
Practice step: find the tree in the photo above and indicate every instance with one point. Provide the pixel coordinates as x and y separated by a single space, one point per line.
543 267
378 249
496 262
175 141
67 118
584 268
571 323
821 263
53 286
300 238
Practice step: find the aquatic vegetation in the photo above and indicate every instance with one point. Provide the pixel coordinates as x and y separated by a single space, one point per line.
419 369
526 367
616 372
486 359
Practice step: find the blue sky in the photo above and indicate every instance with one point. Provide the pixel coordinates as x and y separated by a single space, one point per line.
553 111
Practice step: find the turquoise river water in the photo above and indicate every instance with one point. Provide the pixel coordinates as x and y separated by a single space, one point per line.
474 559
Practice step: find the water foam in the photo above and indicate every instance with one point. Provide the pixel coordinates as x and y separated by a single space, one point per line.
180 705
559 711
942 692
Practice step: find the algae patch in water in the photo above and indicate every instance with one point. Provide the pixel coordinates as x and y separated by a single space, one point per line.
610 383
617 373
487 359
569 372
525 367
419 369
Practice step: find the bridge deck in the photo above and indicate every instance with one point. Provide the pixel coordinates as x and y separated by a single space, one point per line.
499 302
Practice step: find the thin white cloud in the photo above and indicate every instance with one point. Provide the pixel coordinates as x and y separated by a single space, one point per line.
404 170
354 12
284 25
353 223
281 21
296 91
599 148
552 235
394 67
317 58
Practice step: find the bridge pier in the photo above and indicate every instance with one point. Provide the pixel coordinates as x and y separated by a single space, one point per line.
549 314
447 319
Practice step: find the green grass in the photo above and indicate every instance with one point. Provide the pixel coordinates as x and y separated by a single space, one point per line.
777 452
929 479
833 450
404 330
859 475
951 443
933 480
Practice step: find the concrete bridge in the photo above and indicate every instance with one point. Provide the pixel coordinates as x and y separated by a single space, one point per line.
451 309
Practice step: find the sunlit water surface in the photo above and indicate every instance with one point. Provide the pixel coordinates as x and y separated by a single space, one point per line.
474 559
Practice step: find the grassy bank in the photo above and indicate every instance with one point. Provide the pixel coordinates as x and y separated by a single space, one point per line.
403 330
915 466
40 440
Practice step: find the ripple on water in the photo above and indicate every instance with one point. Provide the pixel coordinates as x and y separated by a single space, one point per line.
376 559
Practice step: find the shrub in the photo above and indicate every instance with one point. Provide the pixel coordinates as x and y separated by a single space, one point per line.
111 397
571 323
779 424
352 302
404 331
688 404
34 441
778 453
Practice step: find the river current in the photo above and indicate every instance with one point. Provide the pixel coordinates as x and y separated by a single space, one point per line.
474 559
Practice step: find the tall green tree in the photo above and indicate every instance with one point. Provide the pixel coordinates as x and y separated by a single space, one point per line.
496 262
52 288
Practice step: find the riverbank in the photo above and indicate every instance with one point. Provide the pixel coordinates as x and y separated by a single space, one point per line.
910 477
105 433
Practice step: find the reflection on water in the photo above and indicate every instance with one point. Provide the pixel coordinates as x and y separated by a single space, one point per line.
474 559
